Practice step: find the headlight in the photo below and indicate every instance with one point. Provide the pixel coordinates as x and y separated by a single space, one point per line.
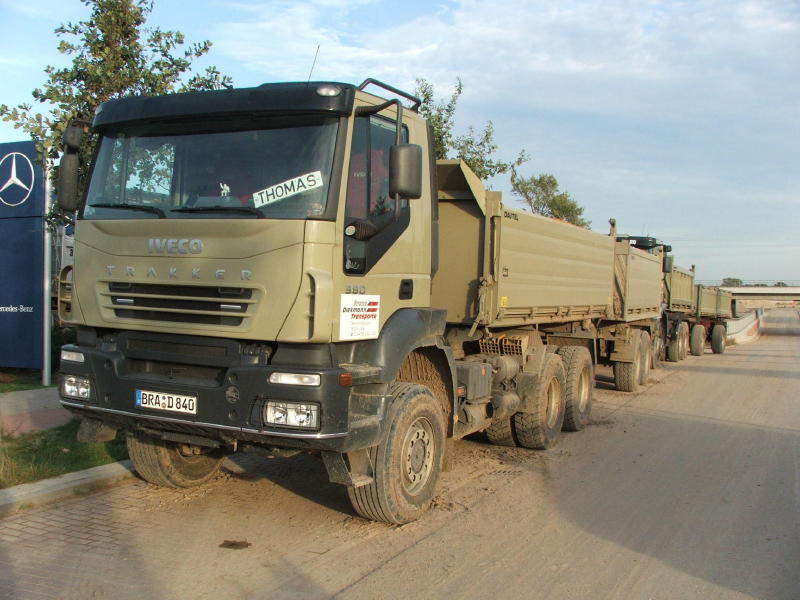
291 414
79 388
72 356
312 379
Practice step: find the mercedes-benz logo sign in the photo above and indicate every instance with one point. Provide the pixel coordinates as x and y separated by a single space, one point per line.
16 178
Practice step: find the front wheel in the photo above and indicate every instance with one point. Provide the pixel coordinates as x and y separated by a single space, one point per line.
408 460
170 464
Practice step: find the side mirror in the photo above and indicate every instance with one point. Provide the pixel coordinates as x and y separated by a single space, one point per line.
668 263
67 191
405 171
667 248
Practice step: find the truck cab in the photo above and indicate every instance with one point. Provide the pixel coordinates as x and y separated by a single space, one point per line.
252 269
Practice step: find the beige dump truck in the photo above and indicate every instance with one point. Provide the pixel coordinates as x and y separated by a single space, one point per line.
693 315
285 268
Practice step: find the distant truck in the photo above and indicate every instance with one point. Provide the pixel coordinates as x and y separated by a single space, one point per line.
286 268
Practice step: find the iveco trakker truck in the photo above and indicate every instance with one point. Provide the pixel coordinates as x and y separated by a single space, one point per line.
286 268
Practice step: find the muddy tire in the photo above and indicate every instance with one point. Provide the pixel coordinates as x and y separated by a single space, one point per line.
684 340
644 372
657 350
628 375
674 348
718 335
541 428
501 432
407 462
697 343
579 379
170 464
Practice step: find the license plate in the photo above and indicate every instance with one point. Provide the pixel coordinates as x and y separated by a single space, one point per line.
169 402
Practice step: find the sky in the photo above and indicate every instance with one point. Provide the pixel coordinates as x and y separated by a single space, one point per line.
680 119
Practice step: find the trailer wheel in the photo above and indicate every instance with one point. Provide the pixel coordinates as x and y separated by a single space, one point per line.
657 350
698 339
644 371
540 429
683 336
627 375
674 347
579 388
501 432
718 335
170 464
408 460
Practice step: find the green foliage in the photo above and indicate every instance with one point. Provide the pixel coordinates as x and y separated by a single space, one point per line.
543 197
113 55
51 452
477 150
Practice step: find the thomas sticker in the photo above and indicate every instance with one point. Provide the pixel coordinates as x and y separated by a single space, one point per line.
288 188
359 317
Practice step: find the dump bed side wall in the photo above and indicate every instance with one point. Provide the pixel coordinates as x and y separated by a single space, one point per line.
637 282
461 245
679 285
713 302
548 271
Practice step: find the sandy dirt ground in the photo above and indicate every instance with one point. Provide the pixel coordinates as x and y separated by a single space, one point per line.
687 489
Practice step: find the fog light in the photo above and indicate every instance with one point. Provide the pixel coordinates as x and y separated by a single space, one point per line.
72 356
291 414
79 388
312 379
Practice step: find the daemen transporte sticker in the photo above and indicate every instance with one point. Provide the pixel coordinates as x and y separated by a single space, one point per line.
359 317
288 188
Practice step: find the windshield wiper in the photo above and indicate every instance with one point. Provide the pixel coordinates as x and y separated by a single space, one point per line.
240 209
151 209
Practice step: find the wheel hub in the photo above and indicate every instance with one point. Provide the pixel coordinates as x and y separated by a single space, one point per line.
417 456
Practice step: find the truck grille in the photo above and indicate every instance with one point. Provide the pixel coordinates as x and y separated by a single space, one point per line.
203 305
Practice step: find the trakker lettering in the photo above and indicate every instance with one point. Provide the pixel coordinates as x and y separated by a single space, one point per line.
172 272
174 246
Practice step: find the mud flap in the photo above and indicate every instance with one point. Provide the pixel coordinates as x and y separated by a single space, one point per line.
355 470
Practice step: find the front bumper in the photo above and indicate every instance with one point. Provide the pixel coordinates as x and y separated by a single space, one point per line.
231 388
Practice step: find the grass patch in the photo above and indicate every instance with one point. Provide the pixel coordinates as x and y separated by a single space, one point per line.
17 380
52 452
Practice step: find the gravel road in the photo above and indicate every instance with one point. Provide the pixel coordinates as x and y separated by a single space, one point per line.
688 489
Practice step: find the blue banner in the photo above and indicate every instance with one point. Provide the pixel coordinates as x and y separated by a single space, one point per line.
21 256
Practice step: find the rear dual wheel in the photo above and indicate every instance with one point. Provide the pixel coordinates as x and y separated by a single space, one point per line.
678 347
718 338
628 376
579 381
697 343
540 428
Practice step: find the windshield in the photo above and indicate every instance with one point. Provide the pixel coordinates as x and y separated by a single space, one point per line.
278 170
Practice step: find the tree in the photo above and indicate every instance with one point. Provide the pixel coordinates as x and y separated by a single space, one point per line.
113 56
543 197
732 282
477 150
780 284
